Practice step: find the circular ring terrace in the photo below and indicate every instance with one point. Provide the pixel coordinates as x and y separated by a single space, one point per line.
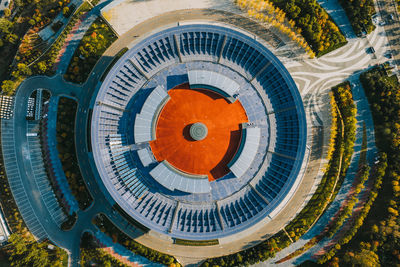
274 138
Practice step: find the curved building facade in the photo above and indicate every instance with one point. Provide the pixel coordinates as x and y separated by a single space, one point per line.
199 132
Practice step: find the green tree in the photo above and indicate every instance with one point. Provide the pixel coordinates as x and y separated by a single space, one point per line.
5 25
41 67
365 258
65 10
7 12
8 87
12 38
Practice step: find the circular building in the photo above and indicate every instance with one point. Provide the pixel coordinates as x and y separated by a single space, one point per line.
199 132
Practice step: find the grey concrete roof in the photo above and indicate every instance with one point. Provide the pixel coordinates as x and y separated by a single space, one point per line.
247 154
211 78
173 179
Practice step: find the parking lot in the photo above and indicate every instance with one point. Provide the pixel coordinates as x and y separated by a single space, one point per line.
14 178
388 18
41 179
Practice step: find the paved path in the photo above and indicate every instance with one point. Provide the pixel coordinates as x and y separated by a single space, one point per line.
337 13
47 34
118 249
315 77
123 15
74 38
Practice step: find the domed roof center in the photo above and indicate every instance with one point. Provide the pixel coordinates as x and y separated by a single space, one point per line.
198 131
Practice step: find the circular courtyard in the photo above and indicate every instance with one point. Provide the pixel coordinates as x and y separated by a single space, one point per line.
198 131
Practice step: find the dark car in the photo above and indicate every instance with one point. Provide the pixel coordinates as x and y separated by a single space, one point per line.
370 50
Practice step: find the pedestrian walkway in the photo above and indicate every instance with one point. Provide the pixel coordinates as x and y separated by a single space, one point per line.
64 51
327 244
40 175
338 14
73 40
106 241
47 33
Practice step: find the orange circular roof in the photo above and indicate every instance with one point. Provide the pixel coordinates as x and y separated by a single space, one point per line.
210 155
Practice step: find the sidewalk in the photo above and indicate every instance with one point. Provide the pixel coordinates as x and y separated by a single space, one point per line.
338 14
47 34
73 40
116 249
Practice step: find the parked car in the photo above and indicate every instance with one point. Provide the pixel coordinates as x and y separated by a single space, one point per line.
370 50
388 54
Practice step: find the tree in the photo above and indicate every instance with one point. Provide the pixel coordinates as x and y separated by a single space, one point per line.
11 38
365 258
18 244
22 70
8 87
41 67
7 12
5 25
24 251
65 11
32 22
